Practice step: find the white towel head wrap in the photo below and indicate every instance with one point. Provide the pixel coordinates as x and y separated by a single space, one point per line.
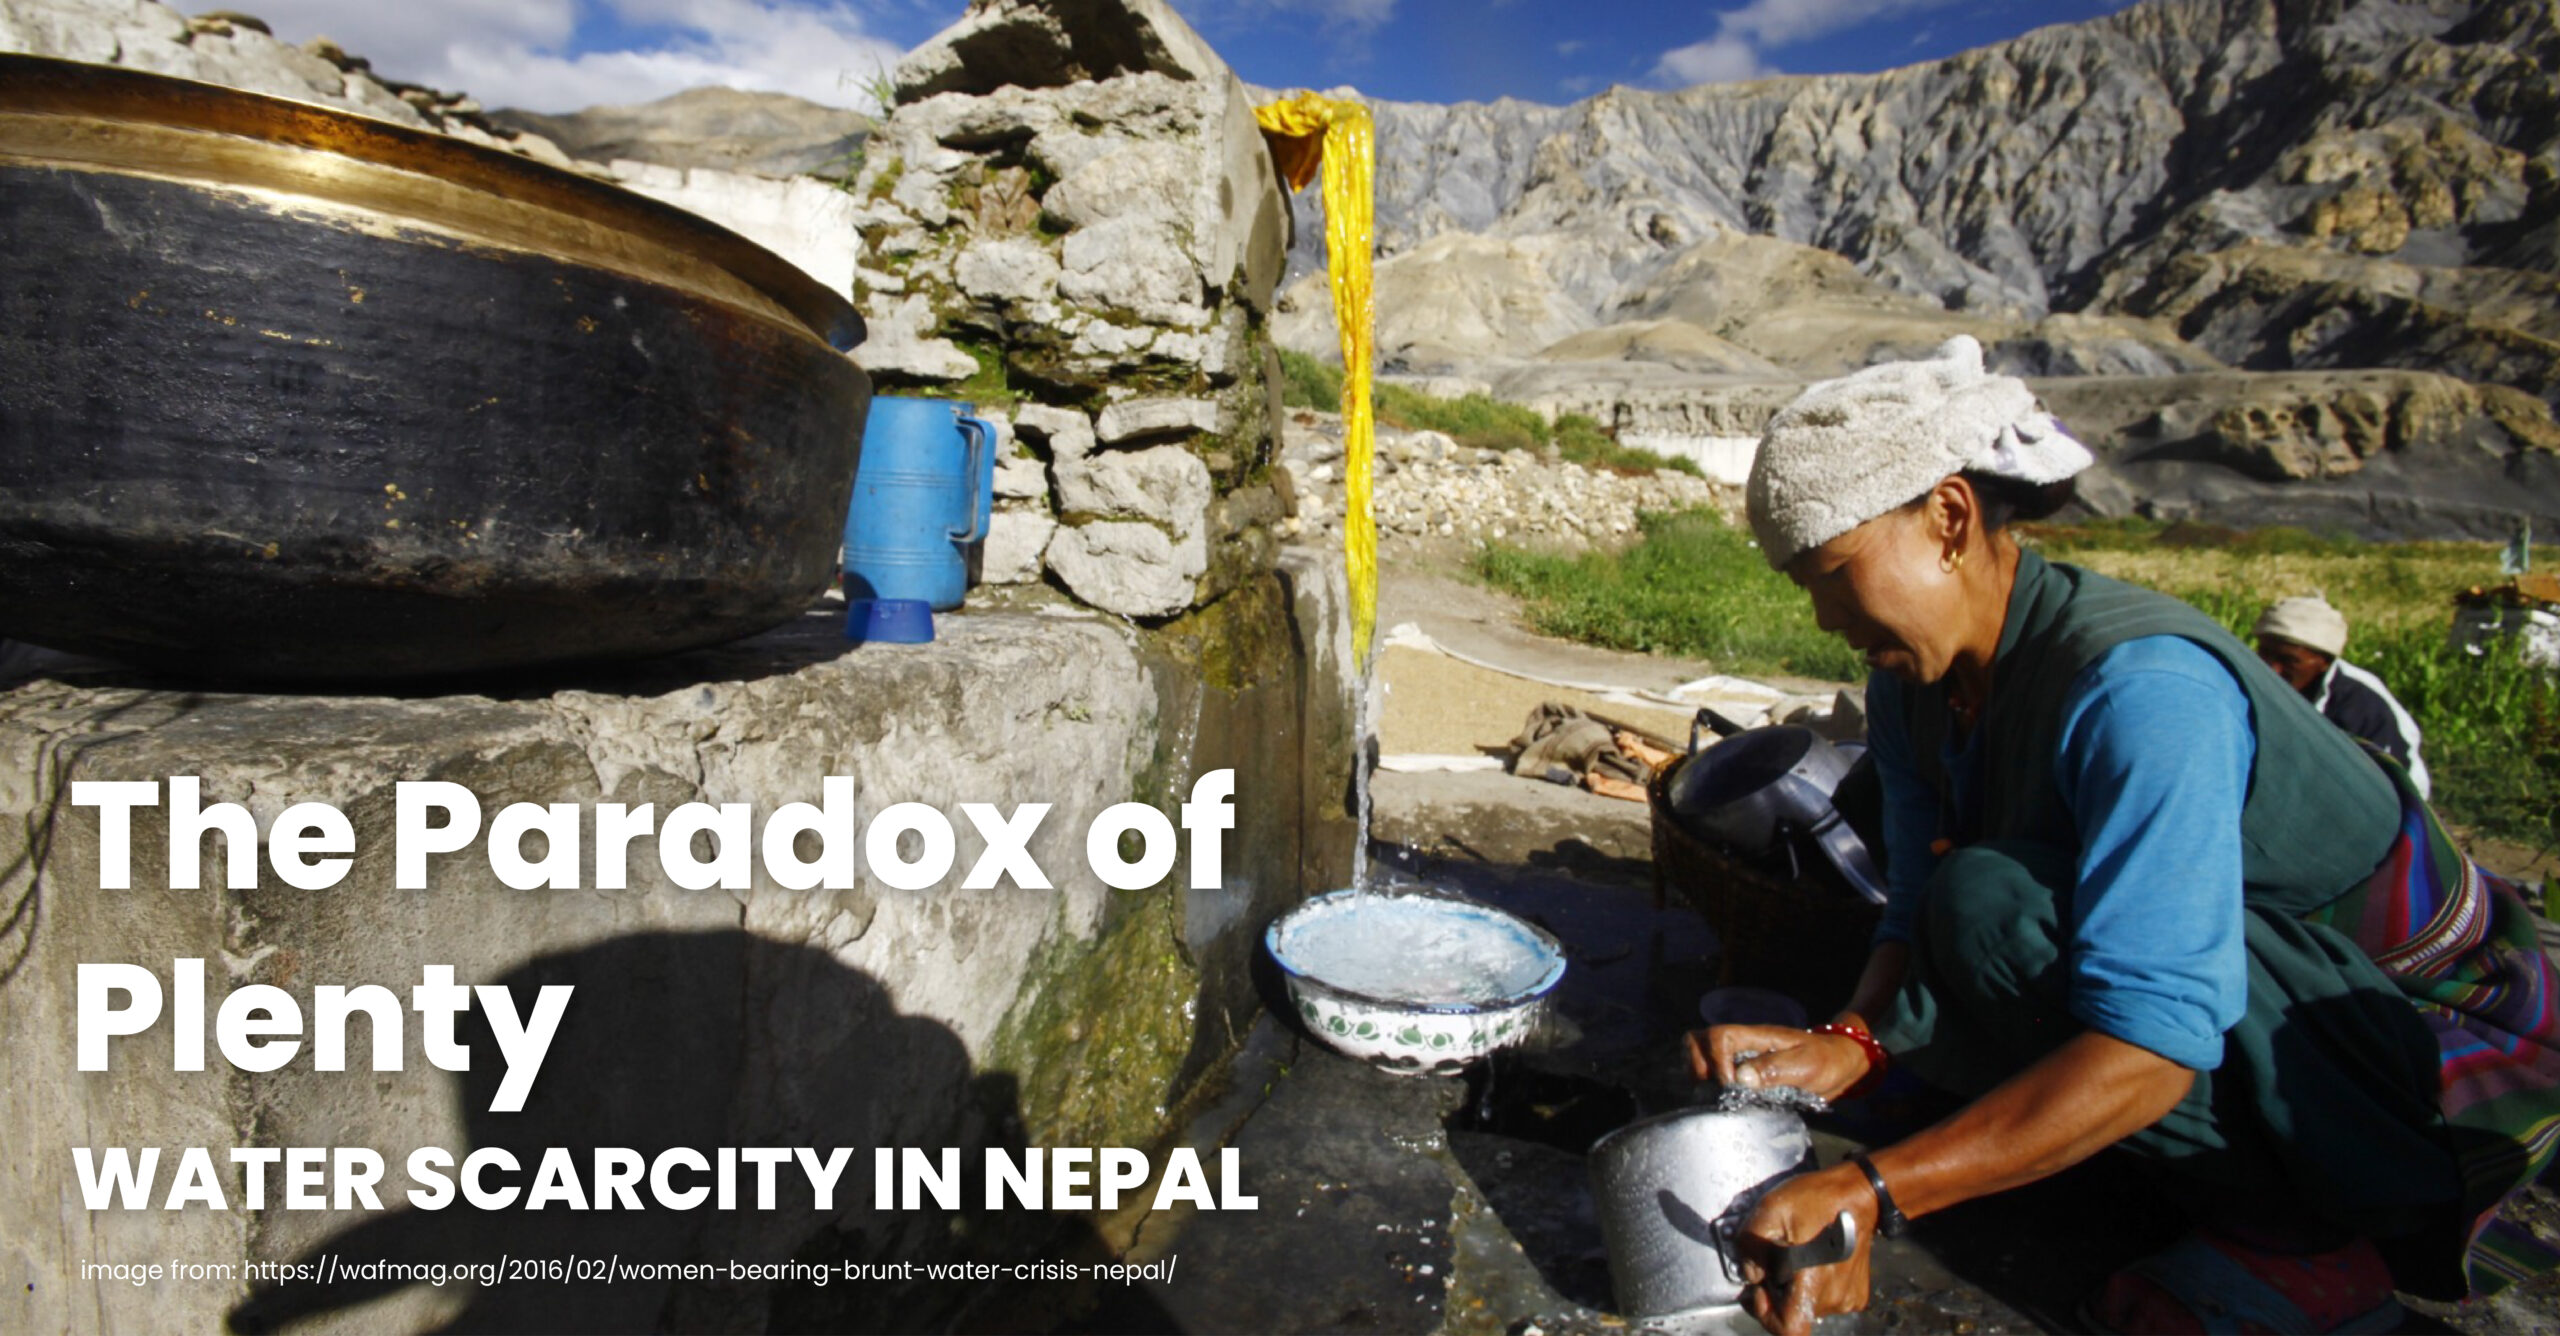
1850 449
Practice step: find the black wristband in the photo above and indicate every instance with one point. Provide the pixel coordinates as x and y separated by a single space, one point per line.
1890 1221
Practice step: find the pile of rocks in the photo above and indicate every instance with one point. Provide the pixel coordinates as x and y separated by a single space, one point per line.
1430 487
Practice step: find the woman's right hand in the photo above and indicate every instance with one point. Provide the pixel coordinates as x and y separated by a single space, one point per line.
1775 1055
1796 1211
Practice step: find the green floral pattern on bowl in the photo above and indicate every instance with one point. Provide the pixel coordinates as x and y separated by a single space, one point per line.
1407 1043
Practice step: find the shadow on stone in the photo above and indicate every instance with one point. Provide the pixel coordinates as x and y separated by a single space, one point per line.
705 1041
1543 1197
1581 858
814 636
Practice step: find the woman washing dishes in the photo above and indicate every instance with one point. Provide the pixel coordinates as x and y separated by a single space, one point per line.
2142 897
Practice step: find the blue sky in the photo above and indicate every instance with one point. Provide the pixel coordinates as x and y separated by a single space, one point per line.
1477 50
559 55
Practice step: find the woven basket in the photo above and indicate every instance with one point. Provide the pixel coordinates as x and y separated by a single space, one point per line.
1801 935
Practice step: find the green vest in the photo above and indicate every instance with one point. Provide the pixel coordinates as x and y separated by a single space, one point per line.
2320 814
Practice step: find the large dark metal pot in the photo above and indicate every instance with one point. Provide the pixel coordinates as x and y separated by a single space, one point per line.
1760 787
289 392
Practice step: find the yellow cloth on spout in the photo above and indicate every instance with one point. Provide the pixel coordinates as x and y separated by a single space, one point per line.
1307 131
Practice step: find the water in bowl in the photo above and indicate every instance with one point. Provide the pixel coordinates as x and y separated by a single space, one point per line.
1416 949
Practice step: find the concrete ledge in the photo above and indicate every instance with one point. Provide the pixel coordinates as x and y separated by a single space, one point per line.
1496 818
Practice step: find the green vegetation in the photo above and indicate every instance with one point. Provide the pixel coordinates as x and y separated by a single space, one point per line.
989 387
1476 421
880 86
886 183
1306 382
1098 1031
842 170
2491 725
1694 585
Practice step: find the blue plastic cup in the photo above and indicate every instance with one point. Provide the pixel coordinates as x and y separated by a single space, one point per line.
888 621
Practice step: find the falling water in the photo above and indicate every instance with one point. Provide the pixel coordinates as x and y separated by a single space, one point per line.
1364 715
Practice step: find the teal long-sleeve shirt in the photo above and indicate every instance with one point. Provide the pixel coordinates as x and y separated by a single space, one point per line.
2157 744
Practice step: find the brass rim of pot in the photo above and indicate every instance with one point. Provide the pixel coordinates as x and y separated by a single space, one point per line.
383 179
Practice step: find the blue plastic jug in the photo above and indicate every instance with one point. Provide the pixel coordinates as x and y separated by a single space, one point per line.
922 493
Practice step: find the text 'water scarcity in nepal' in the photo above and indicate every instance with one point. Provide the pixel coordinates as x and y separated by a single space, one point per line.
310 846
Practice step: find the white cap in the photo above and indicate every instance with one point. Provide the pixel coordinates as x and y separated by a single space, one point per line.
2308 621
1850 449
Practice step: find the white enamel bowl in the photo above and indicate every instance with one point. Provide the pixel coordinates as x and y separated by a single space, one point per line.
1416 983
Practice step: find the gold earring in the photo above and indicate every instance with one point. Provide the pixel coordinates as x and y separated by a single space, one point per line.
1952 564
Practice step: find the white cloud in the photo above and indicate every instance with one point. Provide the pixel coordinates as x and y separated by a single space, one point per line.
1715 60
405 36
1743 37
1568 48
519 53
1776 23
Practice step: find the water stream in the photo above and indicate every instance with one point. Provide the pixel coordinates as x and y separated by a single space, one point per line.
1365 709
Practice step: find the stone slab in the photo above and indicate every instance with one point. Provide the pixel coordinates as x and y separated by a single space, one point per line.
755 1016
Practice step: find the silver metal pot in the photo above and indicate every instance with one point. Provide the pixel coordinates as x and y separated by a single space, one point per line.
1674 1189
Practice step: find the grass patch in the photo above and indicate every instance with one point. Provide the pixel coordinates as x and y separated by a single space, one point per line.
2490 726
1693 585
1477 421
1309 382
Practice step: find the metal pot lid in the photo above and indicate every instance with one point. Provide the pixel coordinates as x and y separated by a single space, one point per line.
85 117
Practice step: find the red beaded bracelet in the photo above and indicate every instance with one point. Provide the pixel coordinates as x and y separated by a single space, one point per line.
1877 1058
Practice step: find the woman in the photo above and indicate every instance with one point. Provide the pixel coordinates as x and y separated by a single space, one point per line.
2141 896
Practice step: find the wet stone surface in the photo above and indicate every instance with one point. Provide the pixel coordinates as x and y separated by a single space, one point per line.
1410 1204
1351 1234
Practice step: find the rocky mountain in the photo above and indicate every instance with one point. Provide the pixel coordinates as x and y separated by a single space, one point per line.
2063 169
773 134
2174 199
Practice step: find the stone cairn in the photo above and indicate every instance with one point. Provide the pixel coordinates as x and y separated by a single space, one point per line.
1070 218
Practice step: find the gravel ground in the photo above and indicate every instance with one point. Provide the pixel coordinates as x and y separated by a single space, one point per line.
1428 486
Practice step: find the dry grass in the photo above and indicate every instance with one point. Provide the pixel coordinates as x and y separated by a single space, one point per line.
2385 589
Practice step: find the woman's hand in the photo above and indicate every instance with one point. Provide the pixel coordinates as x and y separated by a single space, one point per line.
1797 1211
1774 1055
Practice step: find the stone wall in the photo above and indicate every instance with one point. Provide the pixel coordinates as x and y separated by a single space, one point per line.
1071 220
